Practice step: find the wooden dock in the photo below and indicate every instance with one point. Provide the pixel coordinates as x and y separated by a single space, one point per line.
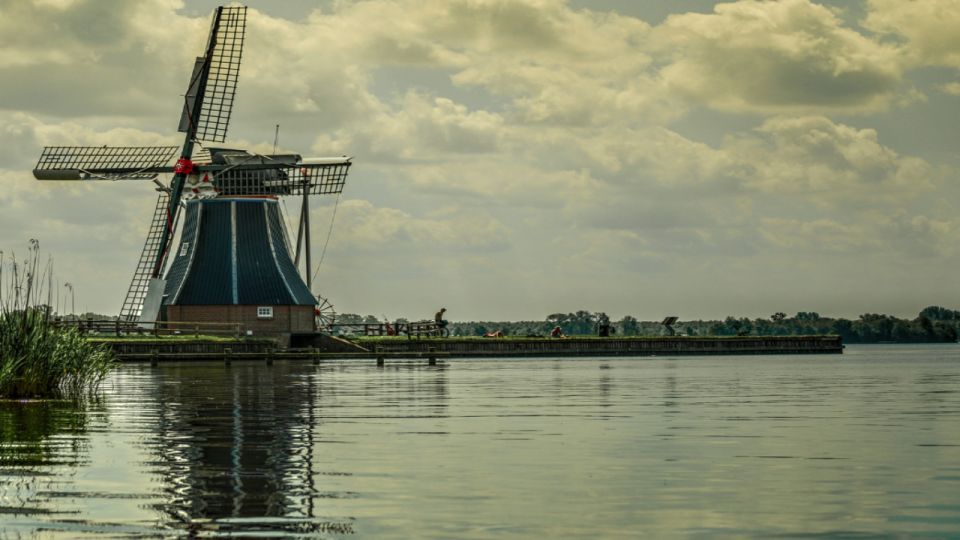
590 346
381 350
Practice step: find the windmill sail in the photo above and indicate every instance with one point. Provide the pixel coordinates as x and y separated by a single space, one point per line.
140 284
213 84
102 162
254 174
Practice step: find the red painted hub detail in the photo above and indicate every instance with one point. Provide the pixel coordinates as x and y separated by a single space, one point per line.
183 166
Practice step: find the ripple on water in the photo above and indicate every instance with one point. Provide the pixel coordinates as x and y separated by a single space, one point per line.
758 447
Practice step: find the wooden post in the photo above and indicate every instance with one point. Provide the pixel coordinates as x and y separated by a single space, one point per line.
227 353
376 350
316 356
270 356
432 358
196 330
117 325
154 357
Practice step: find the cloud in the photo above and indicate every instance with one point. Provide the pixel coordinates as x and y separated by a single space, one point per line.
94 58
776 57
931 28
368 228
418 127
828 163
793 182
551 64
951 88
915 236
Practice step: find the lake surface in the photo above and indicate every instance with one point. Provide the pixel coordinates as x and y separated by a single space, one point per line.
863 445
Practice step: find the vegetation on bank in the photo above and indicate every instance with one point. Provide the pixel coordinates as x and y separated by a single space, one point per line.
37 357
933 324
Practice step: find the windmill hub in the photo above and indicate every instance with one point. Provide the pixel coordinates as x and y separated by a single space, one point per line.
233 263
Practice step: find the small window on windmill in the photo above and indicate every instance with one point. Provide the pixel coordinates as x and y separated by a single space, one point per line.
184 248
265 312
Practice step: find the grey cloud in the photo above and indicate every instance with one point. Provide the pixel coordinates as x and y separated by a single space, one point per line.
511 26
91 90
92 58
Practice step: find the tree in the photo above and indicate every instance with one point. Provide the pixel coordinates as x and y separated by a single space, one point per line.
349 318
937 313
926 324
718 329
778 317
900 331
843 328
629 326
946 332
583 322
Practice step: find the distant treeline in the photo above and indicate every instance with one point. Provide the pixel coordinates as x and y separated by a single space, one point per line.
932 324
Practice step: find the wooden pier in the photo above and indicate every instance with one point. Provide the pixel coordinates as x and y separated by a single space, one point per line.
590 346
381 350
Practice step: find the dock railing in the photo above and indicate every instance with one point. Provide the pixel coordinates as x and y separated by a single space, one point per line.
116 327
416 329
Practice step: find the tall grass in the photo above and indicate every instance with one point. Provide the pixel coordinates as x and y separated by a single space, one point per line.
37 357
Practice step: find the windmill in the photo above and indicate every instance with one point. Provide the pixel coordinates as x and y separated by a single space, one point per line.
205 173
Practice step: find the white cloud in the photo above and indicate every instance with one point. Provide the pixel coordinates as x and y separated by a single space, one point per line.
931 28
786 56
365 227
417 128
828 163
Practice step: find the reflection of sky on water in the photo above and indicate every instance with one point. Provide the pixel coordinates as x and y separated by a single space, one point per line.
863 444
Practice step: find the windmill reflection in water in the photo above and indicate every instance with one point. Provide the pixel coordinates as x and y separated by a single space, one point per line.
242 450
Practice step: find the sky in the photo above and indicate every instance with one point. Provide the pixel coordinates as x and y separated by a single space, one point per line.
517 158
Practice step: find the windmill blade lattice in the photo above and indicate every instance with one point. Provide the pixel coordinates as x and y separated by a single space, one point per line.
219 87
283 179
140 283
102 162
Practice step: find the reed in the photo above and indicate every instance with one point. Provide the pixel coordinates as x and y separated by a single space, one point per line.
37 357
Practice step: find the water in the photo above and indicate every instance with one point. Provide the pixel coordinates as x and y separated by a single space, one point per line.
862 445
